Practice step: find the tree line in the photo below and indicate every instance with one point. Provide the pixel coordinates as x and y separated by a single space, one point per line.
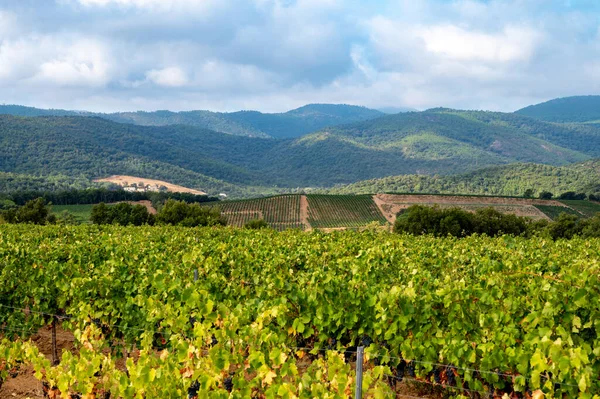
172 212
456 222
95 196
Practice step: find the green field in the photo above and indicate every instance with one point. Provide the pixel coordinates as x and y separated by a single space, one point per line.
585 208
82 213
332 211
554 212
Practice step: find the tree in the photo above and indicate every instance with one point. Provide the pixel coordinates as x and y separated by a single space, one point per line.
565 226
546 195
35 211
529 193
100 214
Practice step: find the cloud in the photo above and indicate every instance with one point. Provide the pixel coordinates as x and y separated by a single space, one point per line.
168 77
277 54
154 5
85 62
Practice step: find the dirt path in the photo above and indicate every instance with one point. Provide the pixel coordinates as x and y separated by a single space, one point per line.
385 209
304 212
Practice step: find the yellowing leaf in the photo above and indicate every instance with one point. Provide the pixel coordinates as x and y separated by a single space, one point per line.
537 394
268 380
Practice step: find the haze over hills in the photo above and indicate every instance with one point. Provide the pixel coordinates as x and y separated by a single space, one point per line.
290 124
567 109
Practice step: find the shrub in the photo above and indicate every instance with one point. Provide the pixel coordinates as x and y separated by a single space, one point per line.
546 195
493 223
565 226
35 212
256 224
572 195
179 213
123 214
456 222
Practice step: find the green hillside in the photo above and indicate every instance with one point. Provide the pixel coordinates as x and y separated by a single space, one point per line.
290 124
436 142
568 109
501 180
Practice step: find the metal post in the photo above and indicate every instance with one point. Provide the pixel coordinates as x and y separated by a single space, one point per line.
54 349
195 275
360 351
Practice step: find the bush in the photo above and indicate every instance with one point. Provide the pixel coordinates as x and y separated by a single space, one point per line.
35 212
66 218
565 226
179 213
456 222
256 224
493 223
572 195
546 195
123 214
591 227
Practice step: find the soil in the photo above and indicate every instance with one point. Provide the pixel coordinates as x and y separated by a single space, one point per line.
25 385
304 212
123 180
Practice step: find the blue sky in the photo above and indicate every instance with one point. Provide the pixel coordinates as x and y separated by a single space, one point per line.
274 55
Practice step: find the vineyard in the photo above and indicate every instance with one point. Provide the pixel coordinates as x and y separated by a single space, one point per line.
585 208
333 211
166 312
280 212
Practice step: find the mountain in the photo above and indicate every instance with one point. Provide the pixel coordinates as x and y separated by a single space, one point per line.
568 109
510 180
395 110
434 142
294 123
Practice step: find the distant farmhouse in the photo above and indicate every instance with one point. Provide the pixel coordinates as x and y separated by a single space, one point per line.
144 188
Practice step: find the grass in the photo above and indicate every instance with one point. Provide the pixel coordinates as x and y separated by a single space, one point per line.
82 213
586 208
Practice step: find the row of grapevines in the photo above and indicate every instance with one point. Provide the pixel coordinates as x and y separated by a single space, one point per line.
325 211
522 312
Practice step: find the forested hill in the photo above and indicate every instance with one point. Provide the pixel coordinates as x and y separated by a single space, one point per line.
434 142
568 109
290 124
512 180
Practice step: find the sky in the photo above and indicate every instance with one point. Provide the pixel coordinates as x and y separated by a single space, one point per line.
276 55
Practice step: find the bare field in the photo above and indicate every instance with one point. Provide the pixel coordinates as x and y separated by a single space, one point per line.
391 204
123 180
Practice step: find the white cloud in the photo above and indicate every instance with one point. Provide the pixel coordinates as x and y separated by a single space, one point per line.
168 77
277 54
449 41
155 5
85 62
9 25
